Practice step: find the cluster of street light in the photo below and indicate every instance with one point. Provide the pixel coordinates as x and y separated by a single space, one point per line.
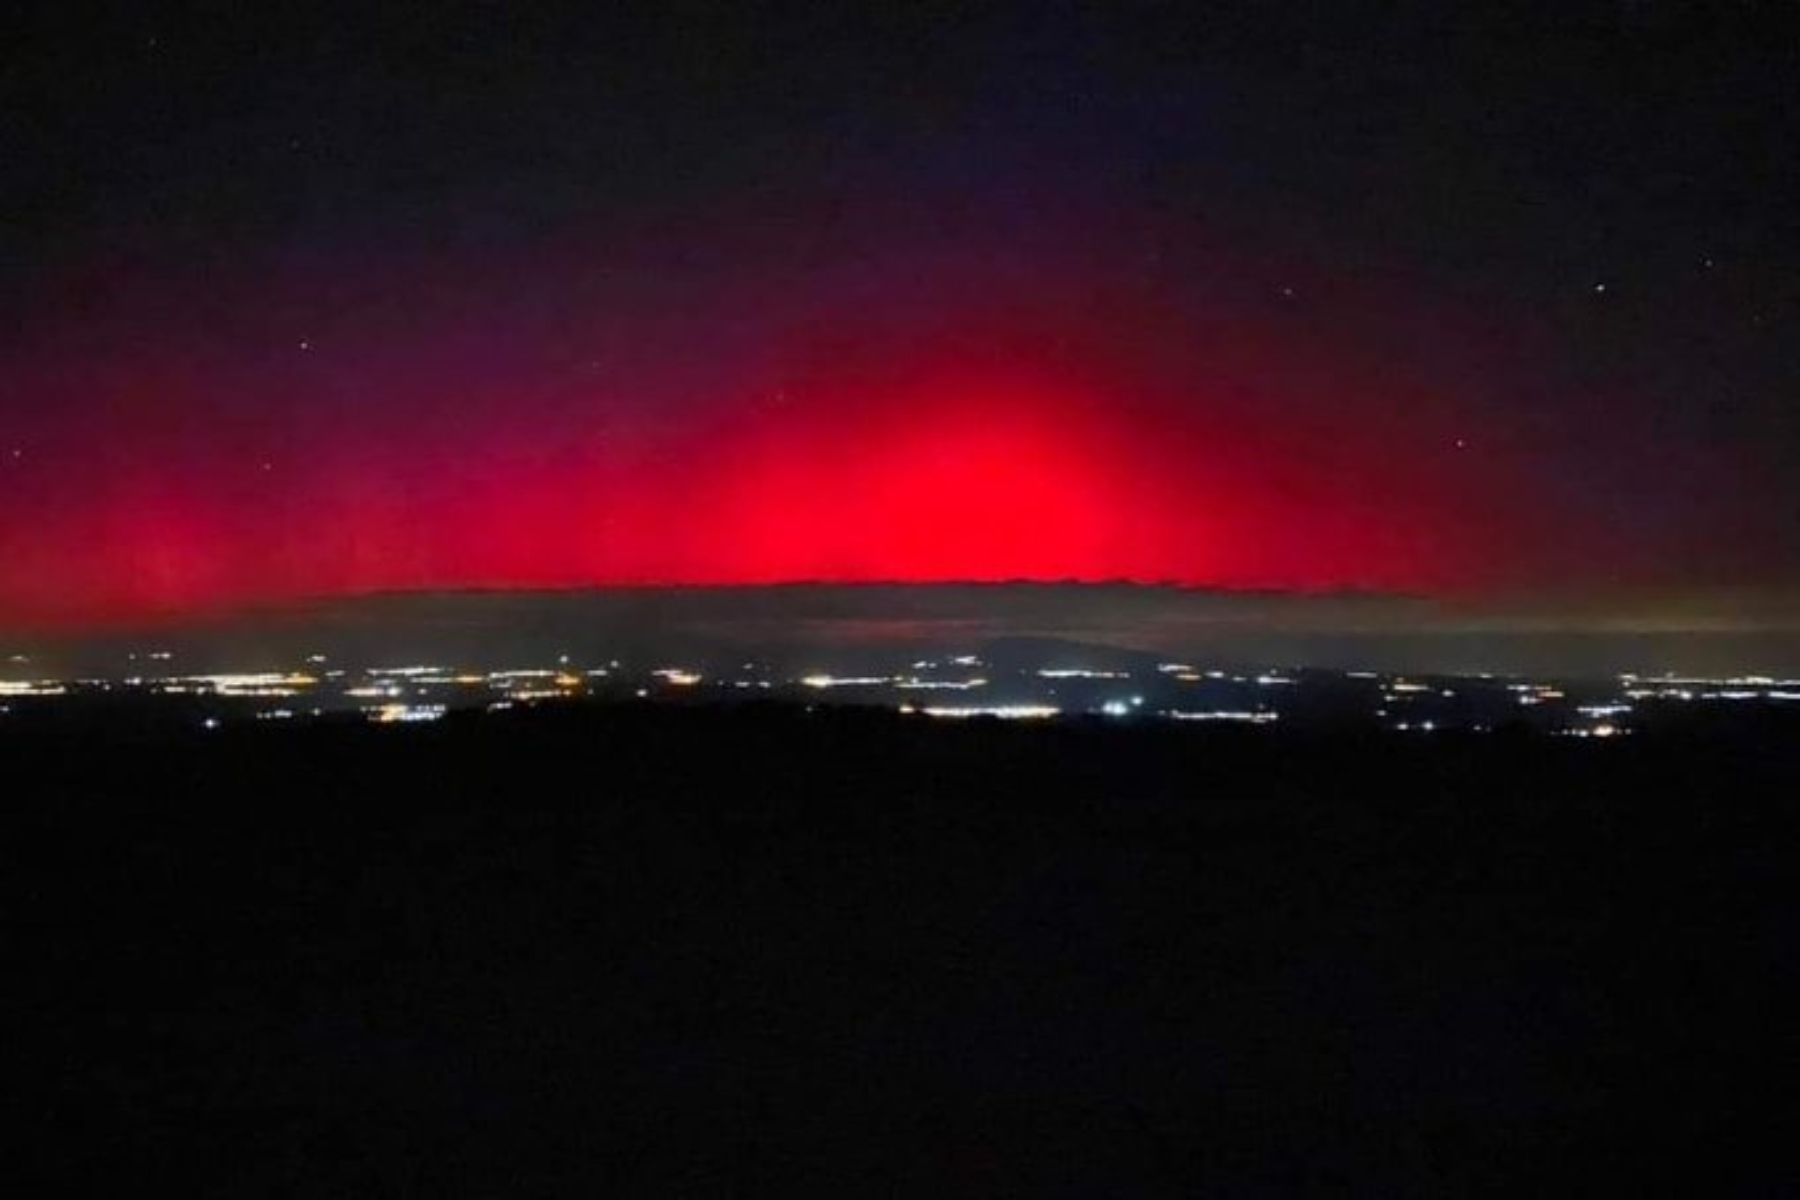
1111 690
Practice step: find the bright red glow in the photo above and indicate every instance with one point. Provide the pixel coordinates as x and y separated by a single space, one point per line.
169 472
952 479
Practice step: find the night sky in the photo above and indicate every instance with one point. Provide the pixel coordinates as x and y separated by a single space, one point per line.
301 302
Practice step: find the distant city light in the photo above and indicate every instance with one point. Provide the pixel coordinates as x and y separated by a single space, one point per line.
1009 712
393 714
1252 718
838 681
1602 710
416 691
37 688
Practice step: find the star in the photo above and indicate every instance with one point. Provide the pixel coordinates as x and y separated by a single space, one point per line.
1599 289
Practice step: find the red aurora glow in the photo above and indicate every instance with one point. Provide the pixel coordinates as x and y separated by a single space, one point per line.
165 469
962 481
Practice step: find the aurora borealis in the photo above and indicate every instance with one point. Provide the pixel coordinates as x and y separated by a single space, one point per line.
303 310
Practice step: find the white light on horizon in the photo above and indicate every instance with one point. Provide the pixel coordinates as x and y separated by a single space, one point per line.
1006 712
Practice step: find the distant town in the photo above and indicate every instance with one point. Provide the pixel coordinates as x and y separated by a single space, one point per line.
950 686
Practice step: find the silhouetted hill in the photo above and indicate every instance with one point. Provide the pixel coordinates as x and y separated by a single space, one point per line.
650 951
831 626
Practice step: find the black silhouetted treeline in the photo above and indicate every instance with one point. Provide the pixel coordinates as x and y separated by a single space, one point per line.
763 951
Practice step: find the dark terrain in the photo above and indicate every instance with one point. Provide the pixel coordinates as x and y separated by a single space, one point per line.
717 952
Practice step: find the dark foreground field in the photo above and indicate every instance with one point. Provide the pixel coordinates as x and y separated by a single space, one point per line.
712 953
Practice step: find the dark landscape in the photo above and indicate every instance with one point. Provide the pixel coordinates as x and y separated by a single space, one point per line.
749 950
